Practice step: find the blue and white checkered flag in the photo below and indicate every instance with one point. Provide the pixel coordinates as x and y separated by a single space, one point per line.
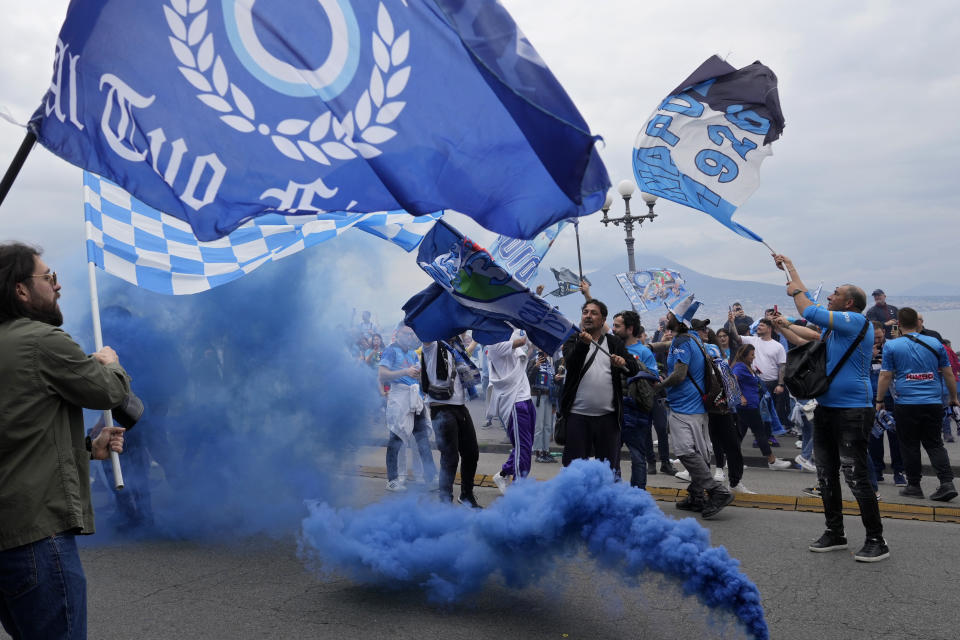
159 252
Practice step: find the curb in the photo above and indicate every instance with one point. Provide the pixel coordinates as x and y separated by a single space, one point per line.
894 511
757 461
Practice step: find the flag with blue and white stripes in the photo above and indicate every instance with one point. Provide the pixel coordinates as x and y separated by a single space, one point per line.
159 252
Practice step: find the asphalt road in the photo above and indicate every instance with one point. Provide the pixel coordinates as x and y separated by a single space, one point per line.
259 589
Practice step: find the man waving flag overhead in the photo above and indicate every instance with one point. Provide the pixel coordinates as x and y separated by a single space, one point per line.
703 145
216 112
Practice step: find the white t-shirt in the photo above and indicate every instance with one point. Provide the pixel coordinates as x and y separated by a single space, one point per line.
595 393
508 370
770 355
430 361
508 377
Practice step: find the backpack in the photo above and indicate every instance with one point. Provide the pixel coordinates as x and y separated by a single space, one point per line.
715 398
806 374
639 388
438 391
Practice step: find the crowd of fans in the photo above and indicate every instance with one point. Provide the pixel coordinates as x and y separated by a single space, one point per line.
754 352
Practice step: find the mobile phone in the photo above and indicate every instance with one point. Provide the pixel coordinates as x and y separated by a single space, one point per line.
776 311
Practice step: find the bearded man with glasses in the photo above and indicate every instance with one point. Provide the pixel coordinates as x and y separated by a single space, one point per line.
47 380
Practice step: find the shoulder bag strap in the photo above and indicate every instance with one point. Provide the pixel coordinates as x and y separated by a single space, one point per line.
705 365
846 356
586 365
925 346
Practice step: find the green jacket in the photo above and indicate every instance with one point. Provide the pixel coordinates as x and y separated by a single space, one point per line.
45 379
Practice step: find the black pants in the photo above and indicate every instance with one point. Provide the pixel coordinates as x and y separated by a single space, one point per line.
875 446
752 420
457 442
592 435
781 403
920 424
840 443
726 443
659 423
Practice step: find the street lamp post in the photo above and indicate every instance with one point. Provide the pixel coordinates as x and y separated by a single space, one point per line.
626 189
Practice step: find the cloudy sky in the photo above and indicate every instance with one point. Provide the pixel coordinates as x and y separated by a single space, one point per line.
858 188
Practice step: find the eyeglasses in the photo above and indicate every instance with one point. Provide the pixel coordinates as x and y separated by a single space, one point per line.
51 277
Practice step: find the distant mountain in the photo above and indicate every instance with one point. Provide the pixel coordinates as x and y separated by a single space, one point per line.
718 293
929 289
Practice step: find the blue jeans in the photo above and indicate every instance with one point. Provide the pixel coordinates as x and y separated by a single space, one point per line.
659 422
44 591
422 438
806 437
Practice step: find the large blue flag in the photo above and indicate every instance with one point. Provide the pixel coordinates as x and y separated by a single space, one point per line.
521 257
703 145
154 251
216 112
471 291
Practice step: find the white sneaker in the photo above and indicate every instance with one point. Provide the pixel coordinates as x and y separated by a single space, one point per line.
718 476
501 482
798 444
779 465
675 462
805 464
741 488
395 485
682 475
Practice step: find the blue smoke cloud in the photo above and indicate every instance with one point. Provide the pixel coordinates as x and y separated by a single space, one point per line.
252 404
450 552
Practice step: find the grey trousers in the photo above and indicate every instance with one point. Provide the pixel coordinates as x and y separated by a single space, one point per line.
690 438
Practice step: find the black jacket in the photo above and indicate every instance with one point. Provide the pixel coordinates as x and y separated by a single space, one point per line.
575 356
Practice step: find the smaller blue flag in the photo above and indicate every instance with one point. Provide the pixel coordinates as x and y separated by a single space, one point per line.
650 287
473 292
567 282
522 257
704 144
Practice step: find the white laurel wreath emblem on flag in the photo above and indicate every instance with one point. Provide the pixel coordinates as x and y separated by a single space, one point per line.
357 133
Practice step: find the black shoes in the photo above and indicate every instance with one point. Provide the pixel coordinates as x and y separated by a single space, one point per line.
470 501
944 493
691 503
914 491
873 550
719 498
829 541
668 468
709 505
651 468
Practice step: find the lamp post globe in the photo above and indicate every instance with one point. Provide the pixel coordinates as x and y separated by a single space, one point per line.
626 188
